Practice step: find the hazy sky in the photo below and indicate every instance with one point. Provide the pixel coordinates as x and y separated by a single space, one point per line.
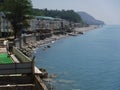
106 10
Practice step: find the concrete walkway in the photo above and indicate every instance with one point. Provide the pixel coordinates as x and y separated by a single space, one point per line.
3 50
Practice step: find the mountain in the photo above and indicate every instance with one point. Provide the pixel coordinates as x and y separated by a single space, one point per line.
90 19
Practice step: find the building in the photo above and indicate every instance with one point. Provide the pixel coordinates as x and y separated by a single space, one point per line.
48 23
46 26
5 26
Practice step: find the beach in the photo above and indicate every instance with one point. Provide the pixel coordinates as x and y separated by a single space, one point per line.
57 37
85 29
29 48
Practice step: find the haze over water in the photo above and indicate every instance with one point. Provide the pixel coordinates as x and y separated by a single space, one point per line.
85 62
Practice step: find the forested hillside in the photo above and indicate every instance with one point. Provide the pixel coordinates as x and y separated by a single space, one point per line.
87 18
69 15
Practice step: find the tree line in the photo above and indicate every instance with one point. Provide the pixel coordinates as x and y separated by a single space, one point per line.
19 11
69 15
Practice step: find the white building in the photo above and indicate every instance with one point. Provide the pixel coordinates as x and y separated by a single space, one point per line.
42 22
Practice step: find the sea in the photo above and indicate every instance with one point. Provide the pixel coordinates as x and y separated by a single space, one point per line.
85 62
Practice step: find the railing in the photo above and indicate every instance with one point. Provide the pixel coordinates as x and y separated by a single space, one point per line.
16 68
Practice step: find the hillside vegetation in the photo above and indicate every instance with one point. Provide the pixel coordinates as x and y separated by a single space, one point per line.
90 19
69 15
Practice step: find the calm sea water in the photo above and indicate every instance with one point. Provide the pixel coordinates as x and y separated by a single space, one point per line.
85 62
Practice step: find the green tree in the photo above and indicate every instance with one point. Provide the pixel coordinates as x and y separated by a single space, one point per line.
69 15
17 12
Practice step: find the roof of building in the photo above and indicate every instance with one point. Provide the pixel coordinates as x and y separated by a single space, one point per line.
44 17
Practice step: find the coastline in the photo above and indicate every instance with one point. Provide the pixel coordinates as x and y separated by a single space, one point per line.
30 48
85 29
77 56
53 38
42 43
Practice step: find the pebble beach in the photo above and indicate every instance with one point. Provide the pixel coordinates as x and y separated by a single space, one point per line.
29 48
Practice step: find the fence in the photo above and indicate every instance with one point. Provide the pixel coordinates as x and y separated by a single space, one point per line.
16 68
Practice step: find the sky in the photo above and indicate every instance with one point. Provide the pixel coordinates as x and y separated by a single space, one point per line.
105 10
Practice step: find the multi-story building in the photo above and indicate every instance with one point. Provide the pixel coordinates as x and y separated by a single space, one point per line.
48 23
42 24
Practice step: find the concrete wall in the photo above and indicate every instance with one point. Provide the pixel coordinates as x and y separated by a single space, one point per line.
39 84
25 39
20 55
